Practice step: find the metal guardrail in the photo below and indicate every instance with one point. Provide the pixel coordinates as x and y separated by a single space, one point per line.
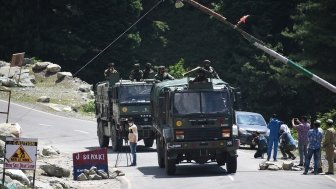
8 106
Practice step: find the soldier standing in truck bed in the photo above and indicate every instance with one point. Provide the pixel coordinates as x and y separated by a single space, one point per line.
163 75
206 65
136 74
148 72
110 71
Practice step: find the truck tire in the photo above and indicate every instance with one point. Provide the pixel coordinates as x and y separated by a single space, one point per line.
148 142
116 141
231 164
102 139
170 165
159 149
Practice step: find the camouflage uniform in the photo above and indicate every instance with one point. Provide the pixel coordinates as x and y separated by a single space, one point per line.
163 75
110 71
148 72
210 69
328 145
136 75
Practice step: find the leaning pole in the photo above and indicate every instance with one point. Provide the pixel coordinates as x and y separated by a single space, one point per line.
259 44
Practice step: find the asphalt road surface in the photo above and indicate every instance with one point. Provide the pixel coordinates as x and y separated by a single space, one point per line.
74 135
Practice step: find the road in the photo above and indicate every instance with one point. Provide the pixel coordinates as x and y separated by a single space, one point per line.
74 135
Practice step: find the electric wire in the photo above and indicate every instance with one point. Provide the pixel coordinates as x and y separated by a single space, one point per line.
123 33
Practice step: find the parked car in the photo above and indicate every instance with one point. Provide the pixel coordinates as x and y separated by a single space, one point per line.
248 123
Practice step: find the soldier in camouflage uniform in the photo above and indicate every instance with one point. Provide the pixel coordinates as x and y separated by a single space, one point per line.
148 72
136 74
110 71
206 65
163 75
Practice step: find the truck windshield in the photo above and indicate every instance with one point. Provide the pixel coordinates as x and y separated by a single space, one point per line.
201 102
134 94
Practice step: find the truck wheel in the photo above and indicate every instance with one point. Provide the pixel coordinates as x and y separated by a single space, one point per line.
159 150
169 165
231 164
103 140
149 142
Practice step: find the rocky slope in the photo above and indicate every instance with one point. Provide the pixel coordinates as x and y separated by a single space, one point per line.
43 86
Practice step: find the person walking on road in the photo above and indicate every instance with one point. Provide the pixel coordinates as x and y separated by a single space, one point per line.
328 145
302 126
314 147
133 139
273 139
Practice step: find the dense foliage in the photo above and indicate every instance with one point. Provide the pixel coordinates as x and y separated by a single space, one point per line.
71 33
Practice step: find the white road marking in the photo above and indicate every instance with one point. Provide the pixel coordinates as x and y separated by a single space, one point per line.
331 178
82 131
231 178
45 125
12 103
129 184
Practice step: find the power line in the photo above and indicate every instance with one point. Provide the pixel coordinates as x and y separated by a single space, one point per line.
123 33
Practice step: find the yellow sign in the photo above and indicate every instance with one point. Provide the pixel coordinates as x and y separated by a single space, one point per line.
124 109
20 155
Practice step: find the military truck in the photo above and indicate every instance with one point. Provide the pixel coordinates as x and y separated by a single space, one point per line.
115 101
194 122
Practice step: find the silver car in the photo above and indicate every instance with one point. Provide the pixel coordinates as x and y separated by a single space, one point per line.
248 123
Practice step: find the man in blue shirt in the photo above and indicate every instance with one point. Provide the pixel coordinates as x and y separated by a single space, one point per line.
287 144
273 139
314 146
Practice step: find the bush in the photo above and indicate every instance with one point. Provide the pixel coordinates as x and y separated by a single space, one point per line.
89 107
323 117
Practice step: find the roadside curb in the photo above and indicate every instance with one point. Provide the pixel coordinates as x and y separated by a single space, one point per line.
125 183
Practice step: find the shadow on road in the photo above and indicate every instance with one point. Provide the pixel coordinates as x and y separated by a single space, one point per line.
124 149
185 170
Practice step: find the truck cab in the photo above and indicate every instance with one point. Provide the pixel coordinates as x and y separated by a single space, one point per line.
193 121
115 103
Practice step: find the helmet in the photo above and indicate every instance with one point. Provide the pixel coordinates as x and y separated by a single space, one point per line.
206 61
148 64
137 65
283 127
317 122
161 67
330 121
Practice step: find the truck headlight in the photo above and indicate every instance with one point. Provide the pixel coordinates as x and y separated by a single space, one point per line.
234 130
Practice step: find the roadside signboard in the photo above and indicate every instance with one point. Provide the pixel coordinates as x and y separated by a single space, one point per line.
20 153
87 159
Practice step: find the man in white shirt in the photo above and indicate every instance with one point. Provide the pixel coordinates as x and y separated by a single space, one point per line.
133 139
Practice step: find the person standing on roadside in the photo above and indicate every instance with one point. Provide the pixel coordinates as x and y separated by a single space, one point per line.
133 139
302 127
314 147
273 139
328 145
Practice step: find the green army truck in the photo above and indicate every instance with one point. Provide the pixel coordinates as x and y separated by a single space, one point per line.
194 122
115 101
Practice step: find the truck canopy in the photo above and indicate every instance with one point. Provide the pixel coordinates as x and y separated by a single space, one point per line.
180 84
